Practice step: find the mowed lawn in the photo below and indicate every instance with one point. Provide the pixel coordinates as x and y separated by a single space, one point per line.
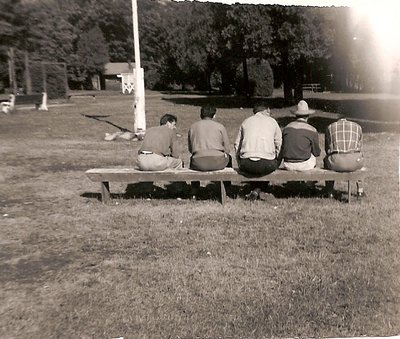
155 264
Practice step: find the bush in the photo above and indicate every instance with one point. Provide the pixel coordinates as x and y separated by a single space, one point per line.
261 78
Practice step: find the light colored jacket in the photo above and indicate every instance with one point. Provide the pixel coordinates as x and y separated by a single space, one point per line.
259 137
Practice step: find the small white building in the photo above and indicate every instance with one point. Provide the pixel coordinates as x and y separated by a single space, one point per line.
116 74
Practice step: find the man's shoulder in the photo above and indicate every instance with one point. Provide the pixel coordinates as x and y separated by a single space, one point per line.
160 130
258 118
207 123
301 125
343 123
216 123
152 130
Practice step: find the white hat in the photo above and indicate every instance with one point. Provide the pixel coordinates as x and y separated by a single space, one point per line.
302 109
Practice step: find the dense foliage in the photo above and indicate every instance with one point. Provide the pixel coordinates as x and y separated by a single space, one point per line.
260 80
188 44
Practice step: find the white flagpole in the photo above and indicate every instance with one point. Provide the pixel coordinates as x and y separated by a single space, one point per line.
139 124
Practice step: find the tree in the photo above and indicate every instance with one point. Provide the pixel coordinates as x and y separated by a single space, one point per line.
10 28
260 79
92 53
189 45
47 33
114 18
245 33
301 36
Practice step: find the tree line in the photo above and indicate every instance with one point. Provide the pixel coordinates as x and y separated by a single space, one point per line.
242 48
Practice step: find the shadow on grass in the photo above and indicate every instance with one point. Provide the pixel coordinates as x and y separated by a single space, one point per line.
172 190
374 115
224 101
211 191
101 117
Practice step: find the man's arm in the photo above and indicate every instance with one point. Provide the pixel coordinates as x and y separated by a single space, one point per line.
238 142
315 149
277 140
189 142
225 139
327 141
174 145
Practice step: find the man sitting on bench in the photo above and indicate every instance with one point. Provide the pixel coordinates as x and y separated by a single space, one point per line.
208 143
159 147
343 142
257 147
300 145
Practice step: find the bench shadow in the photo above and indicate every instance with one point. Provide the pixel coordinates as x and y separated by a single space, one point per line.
176 190
91 195
97 196
291 189
147 190
211 191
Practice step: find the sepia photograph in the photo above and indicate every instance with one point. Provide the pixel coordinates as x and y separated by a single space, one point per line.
178 169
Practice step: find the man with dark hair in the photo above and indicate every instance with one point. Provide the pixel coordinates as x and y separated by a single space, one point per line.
343 142
257 146
300 145
159 147
208 143
168 118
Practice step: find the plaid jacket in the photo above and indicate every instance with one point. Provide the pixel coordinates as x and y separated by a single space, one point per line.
343 136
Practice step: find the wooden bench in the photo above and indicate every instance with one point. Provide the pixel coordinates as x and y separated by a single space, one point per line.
86 95
312 87
131 175
38 99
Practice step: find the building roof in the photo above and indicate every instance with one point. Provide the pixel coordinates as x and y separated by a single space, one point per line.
114 68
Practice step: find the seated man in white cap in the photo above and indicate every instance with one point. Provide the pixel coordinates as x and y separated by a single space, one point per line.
300 145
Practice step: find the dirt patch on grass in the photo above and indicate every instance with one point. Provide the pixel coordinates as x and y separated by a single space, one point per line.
28 270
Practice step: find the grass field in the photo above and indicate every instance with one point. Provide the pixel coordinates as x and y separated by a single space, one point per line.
297 265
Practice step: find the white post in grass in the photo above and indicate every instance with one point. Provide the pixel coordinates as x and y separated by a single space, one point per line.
139 124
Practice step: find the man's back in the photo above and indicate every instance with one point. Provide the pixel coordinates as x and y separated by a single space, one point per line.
300 140
259 136
207 137
160 140
343 136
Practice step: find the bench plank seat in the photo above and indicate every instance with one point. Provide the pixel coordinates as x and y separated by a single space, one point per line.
131 175
93 96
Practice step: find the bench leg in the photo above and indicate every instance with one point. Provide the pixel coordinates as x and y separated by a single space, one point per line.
223 192
348 191
105 192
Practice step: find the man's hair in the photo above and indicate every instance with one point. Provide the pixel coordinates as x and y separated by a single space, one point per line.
168 118
259 108
207 112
